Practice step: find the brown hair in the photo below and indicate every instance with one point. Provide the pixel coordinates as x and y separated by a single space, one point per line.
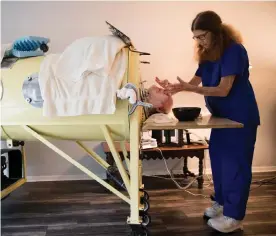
222 35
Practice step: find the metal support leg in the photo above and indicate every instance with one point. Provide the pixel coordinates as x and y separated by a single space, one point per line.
140 175
116 157
134 218
123 147
75 163
110 161
23 150
94 155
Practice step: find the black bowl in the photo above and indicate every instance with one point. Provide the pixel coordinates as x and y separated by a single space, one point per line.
186 113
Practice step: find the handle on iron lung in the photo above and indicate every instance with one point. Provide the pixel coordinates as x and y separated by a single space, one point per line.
140 53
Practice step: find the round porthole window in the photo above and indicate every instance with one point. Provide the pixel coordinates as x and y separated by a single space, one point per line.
31 91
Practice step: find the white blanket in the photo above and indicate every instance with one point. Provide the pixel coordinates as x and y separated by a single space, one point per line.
84 78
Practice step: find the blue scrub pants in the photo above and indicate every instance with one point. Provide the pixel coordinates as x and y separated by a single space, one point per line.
231 154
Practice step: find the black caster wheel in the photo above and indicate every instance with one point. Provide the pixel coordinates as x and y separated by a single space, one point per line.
145 201
146 206
146 195
146 220
44 47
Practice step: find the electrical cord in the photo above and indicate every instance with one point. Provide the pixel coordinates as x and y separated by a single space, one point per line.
263 181
194 179
260 182
173 179
205 141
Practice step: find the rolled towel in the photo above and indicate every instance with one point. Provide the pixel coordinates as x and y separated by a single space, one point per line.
126 93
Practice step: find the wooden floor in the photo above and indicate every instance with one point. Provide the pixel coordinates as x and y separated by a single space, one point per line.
85 208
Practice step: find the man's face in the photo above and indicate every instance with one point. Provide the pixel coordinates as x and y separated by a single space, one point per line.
158 98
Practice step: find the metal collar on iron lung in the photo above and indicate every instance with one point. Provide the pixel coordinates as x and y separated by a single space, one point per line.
134 101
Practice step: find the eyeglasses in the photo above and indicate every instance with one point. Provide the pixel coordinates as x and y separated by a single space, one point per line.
201 36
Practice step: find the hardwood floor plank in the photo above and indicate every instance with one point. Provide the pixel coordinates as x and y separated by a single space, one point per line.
74 208
24 231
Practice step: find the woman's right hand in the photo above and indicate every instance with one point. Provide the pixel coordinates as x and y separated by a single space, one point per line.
179 87
169 88
163 83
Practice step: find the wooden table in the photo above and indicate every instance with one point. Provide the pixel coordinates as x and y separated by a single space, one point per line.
185 151
193 150
206 122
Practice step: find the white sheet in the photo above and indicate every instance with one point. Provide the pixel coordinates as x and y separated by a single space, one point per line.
84 78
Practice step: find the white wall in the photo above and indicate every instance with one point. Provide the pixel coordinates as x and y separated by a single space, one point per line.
163 29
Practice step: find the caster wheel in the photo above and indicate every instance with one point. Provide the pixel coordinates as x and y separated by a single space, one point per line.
146 195
146 220
146 206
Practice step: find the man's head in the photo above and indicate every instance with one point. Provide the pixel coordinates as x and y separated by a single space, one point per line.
161 101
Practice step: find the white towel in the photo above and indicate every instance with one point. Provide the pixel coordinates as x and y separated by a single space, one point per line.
84 78
161 119
126 93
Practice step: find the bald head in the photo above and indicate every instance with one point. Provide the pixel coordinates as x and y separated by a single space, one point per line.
161 101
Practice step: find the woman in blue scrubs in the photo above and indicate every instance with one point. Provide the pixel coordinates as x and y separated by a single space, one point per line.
224 73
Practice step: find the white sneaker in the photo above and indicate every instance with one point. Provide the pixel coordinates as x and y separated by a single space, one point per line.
225 224
213 211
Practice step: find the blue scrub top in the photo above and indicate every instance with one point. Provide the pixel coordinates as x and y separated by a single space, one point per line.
240 105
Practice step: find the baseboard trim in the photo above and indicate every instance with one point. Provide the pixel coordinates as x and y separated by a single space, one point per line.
61 177
262 169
